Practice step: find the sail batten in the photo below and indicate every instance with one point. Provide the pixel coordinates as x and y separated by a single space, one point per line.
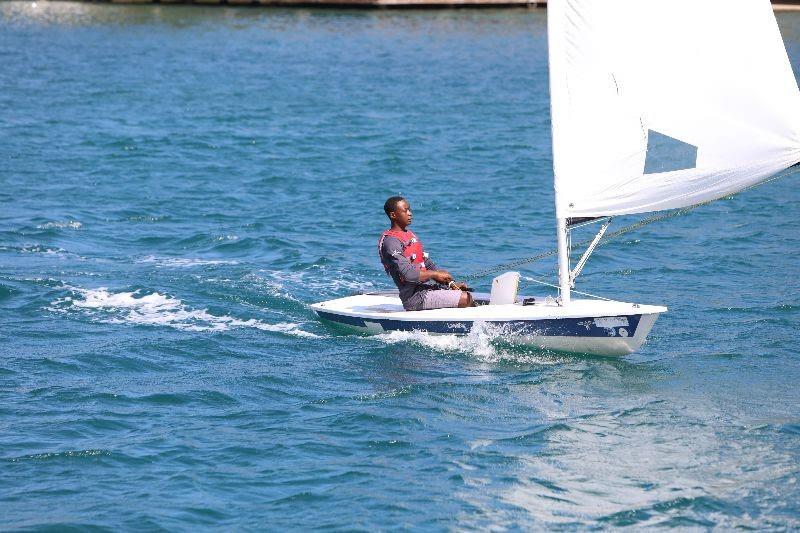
661 104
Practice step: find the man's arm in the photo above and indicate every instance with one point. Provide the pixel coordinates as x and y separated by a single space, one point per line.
429 264
411 273
439 276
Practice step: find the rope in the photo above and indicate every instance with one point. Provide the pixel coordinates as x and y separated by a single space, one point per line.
614 234
507 266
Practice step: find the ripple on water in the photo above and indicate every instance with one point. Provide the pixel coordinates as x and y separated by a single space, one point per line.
6 292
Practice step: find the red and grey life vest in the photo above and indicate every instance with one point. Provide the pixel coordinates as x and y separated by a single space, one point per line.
412 247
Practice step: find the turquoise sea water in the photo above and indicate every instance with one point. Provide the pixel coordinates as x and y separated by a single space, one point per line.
178 183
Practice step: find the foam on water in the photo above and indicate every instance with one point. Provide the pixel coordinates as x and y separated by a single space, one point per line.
155 309
59 224
485 342
39 249
184 262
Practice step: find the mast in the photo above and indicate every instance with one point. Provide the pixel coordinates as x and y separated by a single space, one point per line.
556 17
563 260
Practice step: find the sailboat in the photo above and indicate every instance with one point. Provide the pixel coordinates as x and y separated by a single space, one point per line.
656 105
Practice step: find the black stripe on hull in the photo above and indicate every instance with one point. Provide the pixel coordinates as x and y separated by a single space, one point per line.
622 326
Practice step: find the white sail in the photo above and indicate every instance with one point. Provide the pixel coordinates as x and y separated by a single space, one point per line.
659 104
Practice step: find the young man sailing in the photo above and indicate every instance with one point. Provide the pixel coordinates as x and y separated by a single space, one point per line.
407 263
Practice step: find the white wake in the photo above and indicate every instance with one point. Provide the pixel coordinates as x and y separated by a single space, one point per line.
157 309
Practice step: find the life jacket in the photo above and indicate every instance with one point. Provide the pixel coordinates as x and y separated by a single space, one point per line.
412 247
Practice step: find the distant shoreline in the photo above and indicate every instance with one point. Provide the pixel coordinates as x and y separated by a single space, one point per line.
778 5
357 4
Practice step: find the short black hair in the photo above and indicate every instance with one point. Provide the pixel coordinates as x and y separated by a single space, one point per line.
391 204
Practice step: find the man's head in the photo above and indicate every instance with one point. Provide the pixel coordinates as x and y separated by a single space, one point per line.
398 211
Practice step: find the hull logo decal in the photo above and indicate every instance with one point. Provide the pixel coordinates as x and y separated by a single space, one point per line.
611 321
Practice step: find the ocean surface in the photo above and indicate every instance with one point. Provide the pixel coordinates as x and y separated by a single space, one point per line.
177 184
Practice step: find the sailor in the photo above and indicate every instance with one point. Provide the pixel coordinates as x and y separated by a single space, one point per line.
421 283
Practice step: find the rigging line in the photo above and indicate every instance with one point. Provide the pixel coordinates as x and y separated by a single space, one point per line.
592 295
540 282
506 266
622 231
532 281
553 272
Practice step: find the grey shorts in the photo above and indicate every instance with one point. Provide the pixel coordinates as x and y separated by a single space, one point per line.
441 298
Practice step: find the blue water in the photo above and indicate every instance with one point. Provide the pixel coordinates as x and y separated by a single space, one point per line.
177 184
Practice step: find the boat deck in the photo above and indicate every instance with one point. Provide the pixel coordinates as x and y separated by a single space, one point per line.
387 305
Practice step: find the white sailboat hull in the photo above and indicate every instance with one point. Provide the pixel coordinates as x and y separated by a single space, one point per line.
584 326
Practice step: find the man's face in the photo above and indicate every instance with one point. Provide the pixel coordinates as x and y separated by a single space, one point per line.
402 214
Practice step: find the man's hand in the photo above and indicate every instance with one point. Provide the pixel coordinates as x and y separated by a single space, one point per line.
441 276
460 285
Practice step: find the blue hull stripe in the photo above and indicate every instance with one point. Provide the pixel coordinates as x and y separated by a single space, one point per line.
557 327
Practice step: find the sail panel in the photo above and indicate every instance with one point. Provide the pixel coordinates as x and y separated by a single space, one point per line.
710 76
